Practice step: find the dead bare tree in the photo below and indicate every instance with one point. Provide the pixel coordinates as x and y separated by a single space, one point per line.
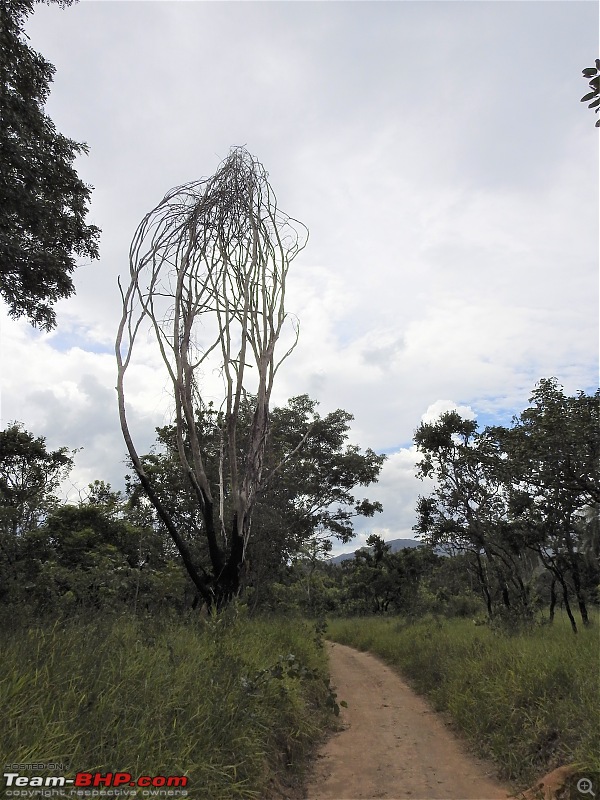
208 270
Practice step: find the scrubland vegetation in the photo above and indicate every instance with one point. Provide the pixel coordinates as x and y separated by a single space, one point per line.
527 699
106 662
109 664
234 704
236 506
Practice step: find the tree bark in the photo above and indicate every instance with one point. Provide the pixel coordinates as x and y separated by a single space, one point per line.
552 598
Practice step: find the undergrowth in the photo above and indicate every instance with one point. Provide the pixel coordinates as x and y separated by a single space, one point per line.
233 704
530 700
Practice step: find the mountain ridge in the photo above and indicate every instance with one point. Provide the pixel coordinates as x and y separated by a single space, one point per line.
395 545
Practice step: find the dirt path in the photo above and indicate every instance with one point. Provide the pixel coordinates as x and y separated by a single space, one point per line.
392 744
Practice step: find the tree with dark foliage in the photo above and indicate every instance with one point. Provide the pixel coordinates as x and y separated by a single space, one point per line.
43 203
30 474
514 500
307 498
553 452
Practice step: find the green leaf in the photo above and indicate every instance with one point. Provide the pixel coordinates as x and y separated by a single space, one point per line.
595 103
587 97
589 72
43 202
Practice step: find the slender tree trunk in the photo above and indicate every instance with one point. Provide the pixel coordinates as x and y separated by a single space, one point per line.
484 586
575 568
523 590
552 598
565 593
199 581
556 571
583 610
576 579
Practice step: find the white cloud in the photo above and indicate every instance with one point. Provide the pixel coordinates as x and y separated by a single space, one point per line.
435 411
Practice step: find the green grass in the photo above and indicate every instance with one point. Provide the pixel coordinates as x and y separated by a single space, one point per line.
530 701
210 701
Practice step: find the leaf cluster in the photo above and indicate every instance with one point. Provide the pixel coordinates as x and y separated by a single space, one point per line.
29 477
594 84
43 202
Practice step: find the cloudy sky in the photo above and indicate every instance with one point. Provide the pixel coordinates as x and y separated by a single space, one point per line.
439 155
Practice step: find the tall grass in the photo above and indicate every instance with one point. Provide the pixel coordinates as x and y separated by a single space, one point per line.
530 701
224 703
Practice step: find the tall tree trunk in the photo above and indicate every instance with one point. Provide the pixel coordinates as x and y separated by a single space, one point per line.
484 586
552 598
565 593
576 579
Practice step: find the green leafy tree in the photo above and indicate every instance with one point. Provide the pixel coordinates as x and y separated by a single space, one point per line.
453 586
373 579
313 473
43 203
99 554
29 478
517 501
308 493
554 452
96 556
386 581
468 510
308 585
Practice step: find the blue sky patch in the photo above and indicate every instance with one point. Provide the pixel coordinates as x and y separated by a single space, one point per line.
63 342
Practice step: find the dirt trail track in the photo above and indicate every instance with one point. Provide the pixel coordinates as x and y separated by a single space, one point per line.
392 744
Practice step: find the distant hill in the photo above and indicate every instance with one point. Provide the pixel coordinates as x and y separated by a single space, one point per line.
396 544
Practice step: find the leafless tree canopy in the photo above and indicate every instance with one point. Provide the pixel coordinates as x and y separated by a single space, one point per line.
208 270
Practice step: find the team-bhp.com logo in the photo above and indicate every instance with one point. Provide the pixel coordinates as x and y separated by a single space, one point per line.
93 783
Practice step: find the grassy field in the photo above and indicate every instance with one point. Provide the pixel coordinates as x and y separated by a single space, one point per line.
234 704
530 701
